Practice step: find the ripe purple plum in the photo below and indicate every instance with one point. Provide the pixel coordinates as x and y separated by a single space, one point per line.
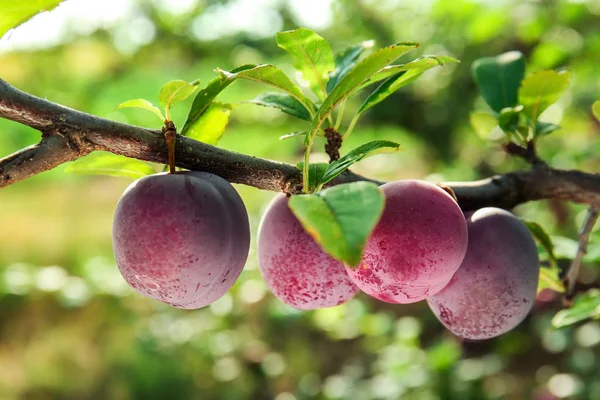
296 269
495 287
418 244
181 238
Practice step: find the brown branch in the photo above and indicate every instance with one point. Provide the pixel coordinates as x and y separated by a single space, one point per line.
528 153
69 134
584 237
51 152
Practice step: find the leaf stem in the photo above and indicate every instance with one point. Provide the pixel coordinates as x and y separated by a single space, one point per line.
338 122
351 126
305 183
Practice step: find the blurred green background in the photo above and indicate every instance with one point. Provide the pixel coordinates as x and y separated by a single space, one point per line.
71 328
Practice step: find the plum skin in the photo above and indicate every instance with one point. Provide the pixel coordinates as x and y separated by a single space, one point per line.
417 245
294 266
495 287
181 238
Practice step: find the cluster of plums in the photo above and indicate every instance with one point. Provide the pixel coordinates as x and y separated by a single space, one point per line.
184 238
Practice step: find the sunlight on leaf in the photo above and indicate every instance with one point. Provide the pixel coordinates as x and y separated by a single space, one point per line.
14 12
176 91
312 57
541 89
211 125
102 163
483 123
143 104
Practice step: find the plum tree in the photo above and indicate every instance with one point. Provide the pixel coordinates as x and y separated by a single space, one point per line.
417 245
294 266
495 287
181 238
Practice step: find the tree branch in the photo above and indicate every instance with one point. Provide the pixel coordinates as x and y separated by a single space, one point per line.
68 134
584 236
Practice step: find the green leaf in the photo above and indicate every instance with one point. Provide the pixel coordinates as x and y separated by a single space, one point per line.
363 151
564 247
422 63
483 123
284 102
508 120
550 279
545 128
176 91
141 103
211 125
357 75
596 109
101 163
585 306
312 57
344 61
541 89
499 78
543 239
404 75
205 97
292 134
15 12
273 76
549 276
341 218
388 87
315 172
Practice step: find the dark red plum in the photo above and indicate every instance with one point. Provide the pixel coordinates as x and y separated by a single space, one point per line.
181 238
296 269
495 287
416 247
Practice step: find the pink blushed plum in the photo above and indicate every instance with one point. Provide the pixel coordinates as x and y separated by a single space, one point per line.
181 238
416 247
495 287
296 269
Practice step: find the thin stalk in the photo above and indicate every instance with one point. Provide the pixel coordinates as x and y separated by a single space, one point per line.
305 167
351 126
338 122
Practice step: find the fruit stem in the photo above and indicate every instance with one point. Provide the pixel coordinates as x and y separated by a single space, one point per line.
170 133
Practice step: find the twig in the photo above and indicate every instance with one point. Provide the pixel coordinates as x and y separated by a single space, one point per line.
584 236
528 153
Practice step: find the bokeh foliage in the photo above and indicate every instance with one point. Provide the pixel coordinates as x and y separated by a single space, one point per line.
70 328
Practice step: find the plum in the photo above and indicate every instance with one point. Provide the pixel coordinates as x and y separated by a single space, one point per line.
296 269
181 238
417 245
495 287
